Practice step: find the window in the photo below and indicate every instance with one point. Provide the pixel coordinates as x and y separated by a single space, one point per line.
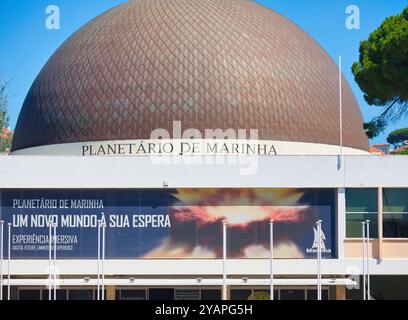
80 294
61 294
210 294
29 295
361 205
187 294
266 293
312 294
161 294
292 294
240 294
395 213
130 294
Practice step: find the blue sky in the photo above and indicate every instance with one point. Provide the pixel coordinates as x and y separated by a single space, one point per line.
26 44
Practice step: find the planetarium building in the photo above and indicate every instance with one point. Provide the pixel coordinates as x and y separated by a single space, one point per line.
182 149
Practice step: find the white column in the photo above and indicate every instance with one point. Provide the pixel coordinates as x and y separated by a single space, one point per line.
224 260
8 261
380 221
341 221
319 260
368 259
271 260
49 259
1 257
103 256
98 286
364 274
55 261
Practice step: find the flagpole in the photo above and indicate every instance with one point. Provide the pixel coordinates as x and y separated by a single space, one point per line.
271 259
103 256
364 275
99 261
368 259
55 261
224 260
340 107
1 258
49 258
8 262
319 260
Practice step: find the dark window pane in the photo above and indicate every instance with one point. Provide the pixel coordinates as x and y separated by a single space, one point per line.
312 294
353 224
361 200
292 294
100 294
161 294
395 200
80 295
395 225
182 294
132 295
210 294
395 216
29 294
240 294
61 294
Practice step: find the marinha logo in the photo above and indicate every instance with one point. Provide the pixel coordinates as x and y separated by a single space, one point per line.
313 249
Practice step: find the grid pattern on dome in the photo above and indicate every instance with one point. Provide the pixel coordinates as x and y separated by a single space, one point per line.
207 63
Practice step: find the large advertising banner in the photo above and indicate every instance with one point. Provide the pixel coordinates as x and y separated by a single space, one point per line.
170 223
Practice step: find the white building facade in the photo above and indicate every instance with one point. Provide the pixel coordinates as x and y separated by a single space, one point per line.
363 188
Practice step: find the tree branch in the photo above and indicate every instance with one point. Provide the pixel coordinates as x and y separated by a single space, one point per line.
385 113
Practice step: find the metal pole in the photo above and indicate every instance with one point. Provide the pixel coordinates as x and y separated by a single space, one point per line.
8 262
103 256
55 261
319 260
340 107
49 258
271 259
224 260
99 262
368 259
364 275
1 257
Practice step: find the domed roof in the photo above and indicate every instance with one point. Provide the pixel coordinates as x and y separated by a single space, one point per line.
207 63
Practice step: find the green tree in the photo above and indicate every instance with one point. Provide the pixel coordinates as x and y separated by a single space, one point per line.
398 137
402 151
259 295
382 71
5 138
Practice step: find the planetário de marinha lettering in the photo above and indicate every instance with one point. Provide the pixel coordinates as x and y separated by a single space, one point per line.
198 147
43 203
241 148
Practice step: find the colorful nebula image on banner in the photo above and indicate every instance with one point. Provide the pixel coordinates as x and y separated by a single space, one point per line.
171 223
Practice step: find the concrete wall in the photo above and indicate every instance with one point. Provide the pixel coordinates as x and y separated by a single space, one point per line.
274 171
209 267
143 172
